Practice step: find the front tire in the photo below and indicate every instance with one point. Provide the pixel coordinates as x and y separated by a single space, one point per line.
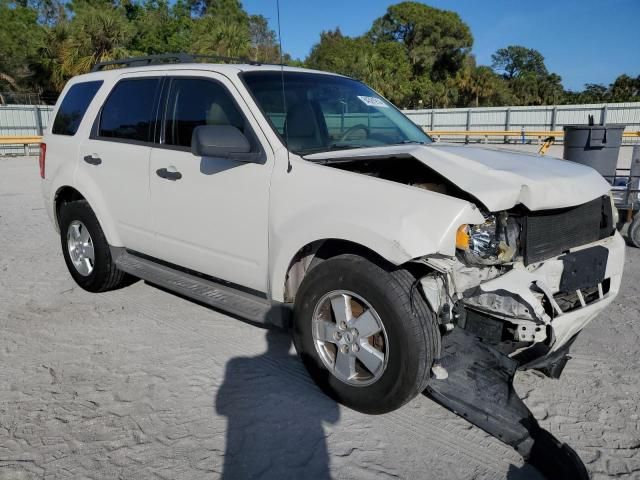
86 251
366 339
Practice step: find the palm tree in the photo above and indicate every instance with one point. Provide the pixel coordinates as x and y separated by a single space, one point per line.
98 35
50 69
483 85
73 48
214 36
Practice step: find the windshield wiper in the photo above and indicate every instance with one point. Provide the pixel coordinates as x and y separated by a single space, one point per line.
342 146
329 148
406 142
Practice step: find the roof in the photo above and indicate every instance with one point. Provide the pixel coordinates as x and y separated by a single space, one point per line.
223 68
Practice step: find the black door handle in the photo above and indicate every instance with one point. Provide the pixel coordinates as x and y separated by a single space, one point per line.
164 173
90 159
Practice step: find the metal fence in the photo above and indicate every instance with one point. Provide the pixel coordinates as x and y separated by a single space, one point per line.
23 120
543 118
33 119
26 98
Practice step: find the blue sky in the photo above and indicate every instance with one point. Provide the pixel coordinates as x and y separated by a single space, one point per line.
584 41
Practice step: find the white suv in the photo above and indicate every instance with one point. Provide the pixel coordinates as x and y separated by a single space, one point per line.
262 190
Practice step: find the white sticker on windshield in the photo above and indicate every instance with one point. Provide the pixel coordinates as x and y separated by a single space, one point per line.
373 101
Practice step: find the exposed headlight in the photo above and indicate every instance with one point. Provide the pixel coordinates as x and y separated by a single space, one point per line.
491 243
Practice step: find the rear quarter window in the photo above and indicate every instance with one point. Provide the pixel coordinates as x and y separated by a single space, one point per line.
73 107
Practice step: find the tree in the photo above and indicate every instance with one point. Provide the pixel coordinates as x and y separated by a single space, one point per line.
436 41
415 55
515 61
550 89
594 93
227 10
19 36
336 53
527 76
49 12
385 67
214 36
95 34
625 89
161 28
50 71
41 47
426 93
264 43
478 86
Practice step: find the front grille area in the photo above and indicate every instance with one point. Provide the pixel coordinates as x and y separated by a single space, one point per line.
550 233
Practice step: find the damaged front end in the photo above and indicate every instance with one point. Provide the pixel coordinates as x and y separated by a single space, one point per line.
515 296
527 282
521 285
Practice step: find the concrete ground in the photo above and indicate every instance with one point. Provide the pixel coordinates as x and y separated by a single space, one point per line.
141 384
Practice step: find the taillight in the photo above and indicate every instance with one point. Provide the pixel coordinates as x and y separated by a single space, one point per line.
42 158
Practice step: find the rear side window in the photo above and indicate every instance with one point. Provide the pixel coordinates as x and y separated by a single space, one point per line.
129 112
73 107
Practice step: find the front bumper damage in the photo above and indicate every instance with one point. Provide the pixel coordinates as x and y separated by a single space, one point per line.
479 388
527 312
498 322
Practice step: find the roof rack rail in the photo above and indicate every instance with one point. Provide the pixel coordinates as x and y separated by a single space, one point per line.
169 58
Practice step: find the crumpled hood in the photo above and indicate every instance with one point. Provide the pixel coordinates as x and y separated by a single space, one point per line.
500 179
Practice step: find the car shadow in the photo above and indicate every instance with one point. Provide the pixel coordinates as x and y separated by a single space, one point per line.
274 425
275 413
525 472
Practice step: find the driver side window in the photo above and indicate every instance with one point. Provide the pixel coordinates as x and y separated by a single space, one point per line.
197 101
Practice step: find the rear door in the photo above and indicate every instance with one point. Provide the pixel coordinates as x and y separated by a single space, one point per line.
116 156
214 218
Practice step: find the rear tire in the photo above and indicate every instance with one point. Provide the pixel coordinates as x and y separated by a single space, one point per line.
86 251
406 342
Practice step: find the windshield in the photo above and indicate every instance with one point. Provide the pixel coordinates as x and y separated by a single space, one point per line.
328 112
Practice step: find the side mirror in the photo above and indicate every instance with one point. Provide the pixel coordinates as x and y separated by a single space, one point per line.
222 141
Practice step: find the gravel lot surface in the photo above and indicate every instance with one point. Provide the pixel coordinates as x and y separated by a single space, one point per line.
140 383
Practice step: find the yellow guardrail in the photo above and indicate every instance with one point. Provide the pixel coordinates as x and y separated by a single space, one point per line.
506 133
20 140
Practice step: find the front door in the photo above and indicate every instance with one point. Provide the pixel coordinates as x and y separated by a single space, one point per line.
210 214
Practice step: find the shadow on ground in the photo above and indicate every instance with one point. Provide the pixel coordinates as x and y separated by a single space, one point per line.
526 472
274 425
275 422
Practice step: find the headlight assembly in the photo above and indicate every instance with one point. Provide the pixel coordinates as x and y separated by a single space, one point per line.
491 243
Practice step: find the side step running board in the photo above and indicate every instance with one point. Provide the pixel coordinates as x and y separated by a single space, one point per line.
222 297
479 388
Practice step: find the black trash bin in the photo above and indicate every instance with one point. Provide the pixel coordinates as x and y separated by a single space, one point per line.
594 145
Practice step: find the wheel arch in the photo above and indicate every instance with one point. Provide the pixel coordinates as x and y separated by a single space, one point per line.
64 194
68 193
315 252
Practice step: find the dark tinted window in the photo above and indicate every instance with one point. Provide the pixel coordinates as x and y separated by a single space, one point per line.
194 102
73 107
129 111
